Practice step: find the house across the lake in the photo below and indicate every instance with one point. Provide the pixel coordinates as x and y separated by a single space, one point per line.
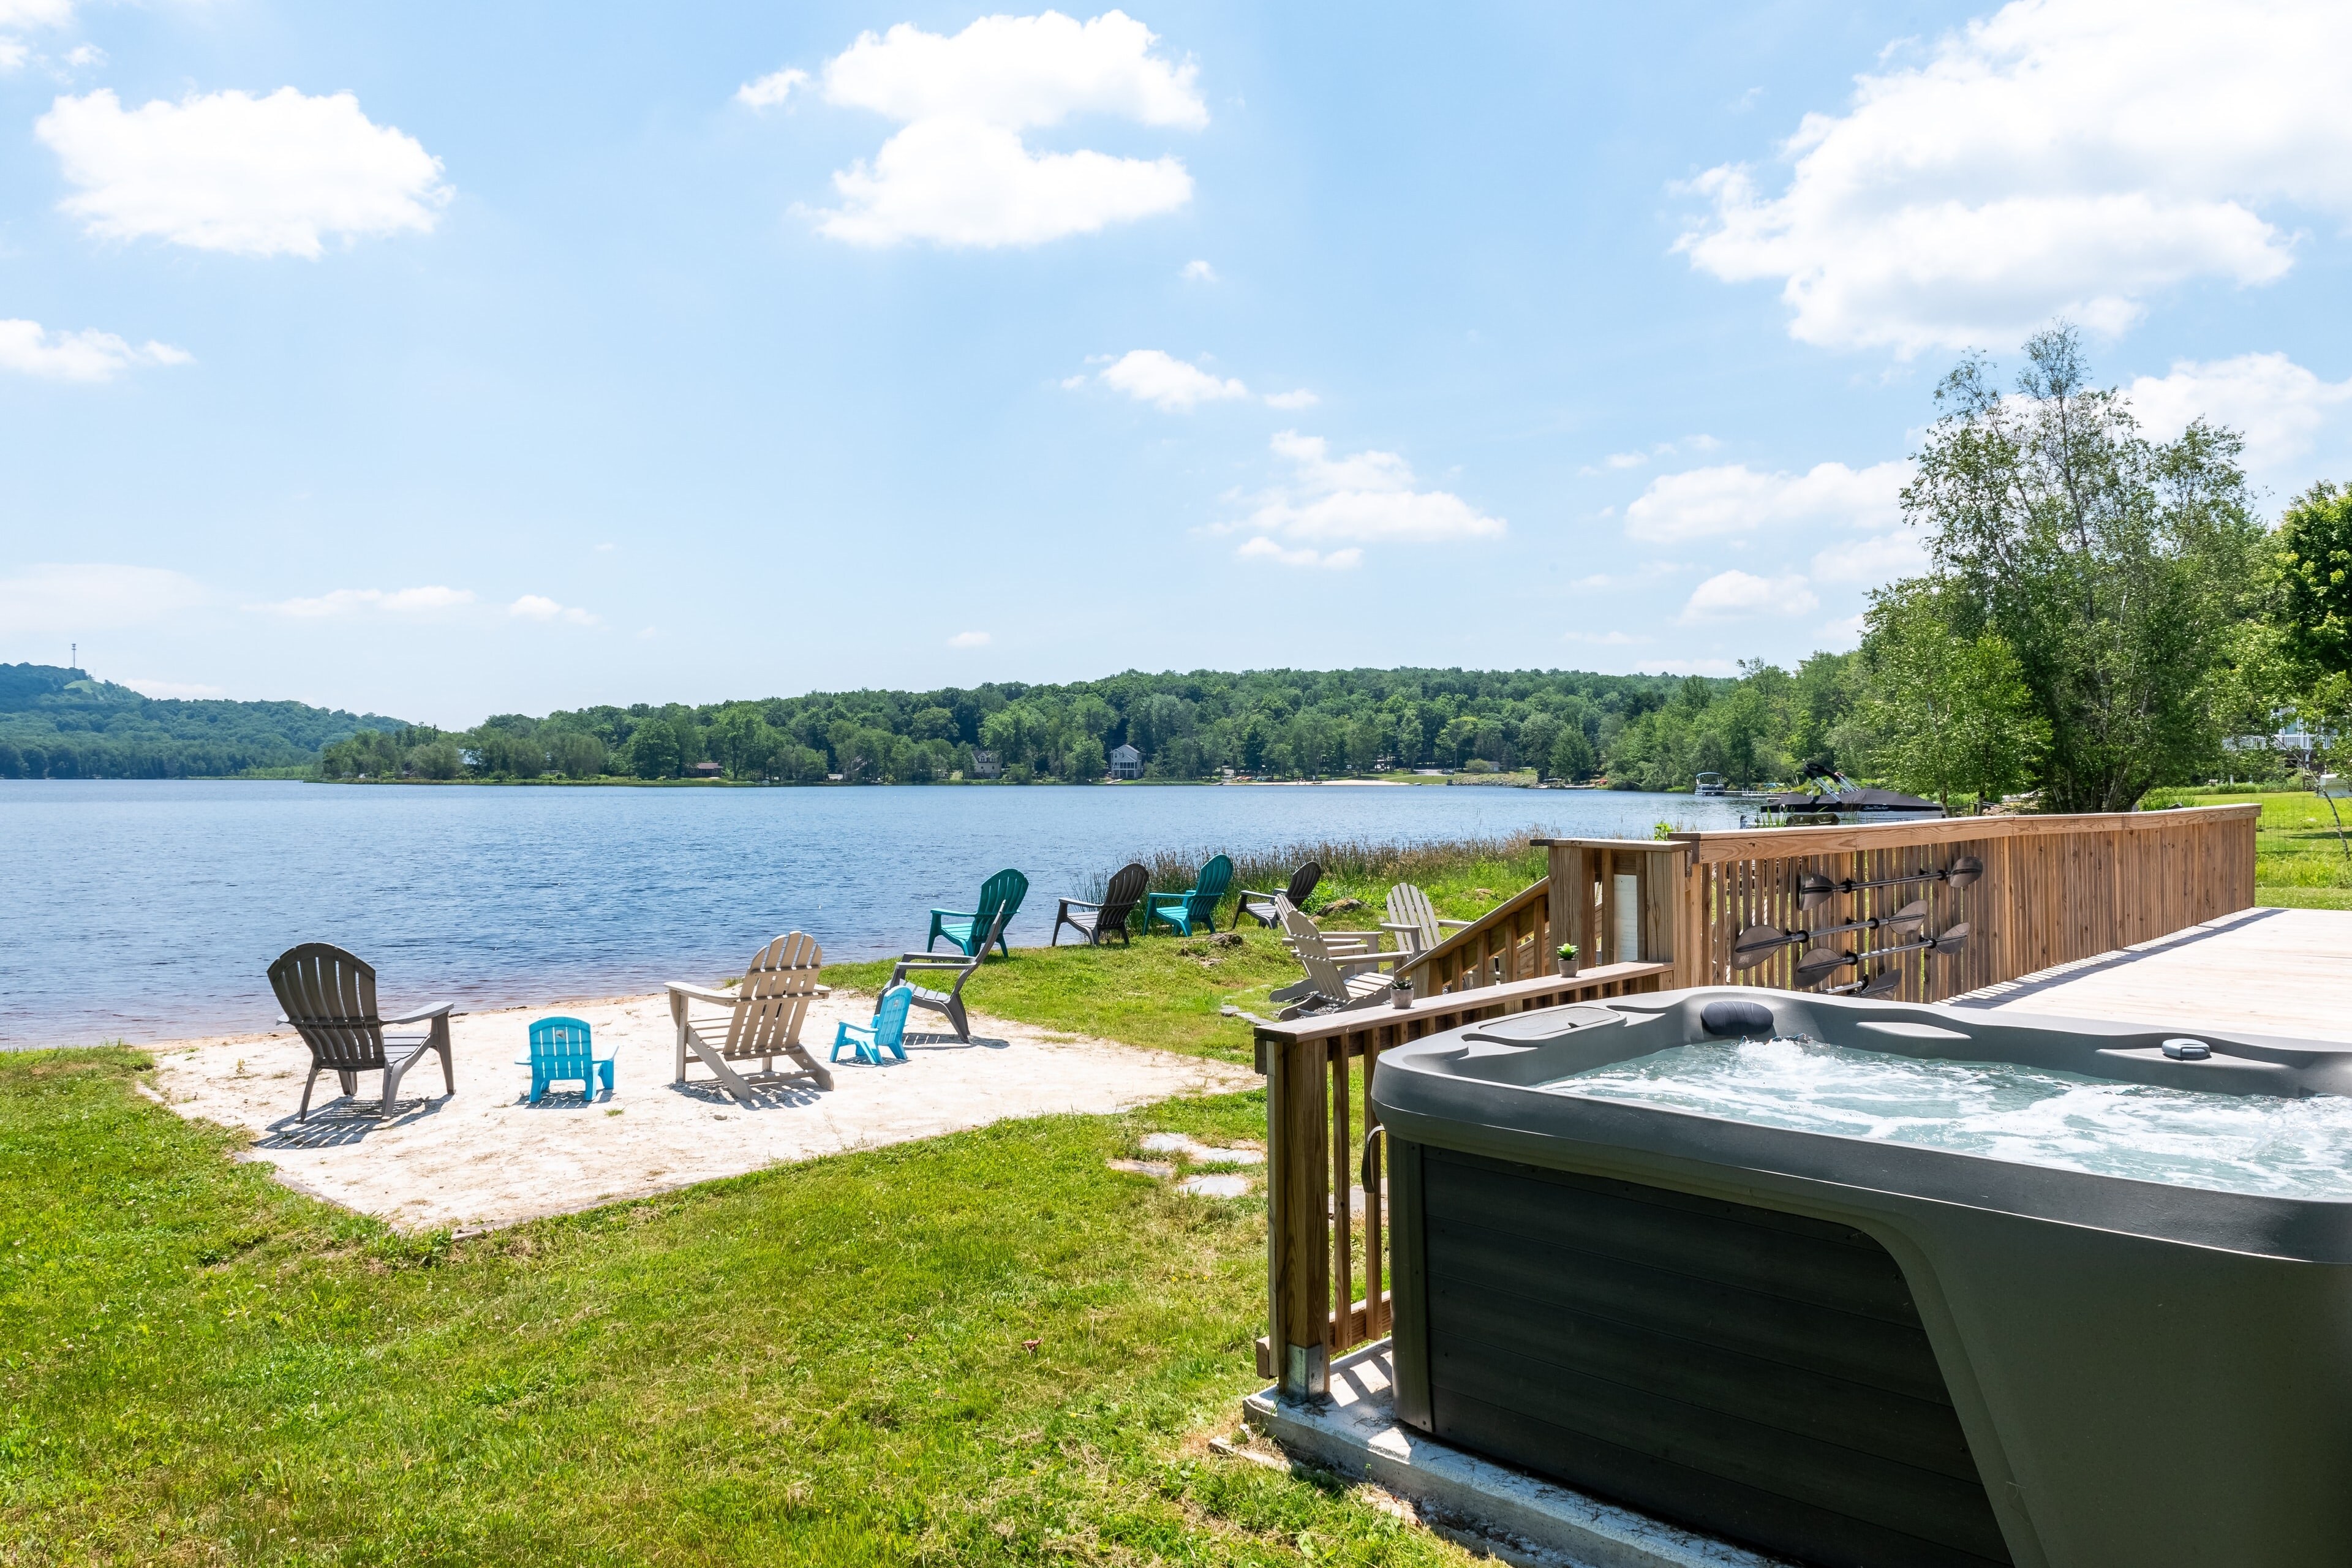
1126 762
984 766
705 770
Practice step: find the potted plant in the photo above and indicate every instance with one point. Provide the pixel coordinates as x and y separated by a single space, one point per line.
1400 992
1567 952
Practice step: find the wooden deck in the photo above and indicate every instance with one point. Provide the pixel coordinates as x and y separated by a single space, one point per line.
2263 972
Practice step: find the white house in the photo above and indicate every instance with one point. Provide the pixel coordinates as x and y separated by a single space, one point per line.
1126 762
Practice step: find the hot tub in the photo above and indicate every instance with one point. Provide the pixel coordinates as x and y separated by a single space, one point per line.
1861 1283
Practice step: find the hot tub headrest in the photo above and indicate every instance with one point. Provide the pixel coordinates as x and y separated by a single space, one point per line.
1727 1018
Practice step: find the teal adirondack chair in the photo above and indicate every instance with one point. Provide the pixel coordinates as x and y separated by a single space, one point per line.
884 1033
1195 906
561 1051
969 932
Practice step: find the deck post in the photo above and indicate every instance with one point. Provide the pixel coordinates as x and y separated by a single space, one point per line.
1299 1186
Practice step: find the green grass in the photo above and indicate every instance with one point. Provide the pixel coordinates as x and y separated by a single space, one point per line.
979 1349
1165 991
2299 863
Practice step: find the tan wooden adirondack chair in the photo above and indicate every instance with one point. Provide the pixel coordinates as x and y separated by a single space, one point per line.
1328 986
330 998
1414 924
759 1019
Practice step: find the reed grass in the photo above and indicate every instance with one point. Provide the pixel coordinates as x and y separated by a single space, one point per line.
1463 877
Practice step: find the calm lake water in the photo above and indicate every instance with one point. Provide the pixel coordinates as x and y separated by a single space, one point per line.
151 909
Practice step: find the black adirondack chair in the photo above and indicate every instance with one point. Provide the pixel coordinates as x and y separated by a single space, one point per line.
1259 906
330 998
1097 920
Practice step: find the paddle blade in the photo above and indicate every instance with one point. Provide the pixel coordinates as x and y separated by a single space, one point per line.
1911 914
1965 870
1885 982
1814 890
1819 963
1756 944
1951 941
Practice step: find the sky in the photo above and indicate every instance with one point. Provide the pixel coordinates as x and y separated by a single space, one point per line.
440 359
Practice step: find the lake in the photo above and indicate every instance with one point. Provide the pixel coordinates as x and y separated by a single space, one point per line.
147 909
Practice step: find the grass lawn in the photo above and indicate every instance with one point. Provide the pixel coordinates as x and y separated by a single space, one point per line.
986 1348
2298 862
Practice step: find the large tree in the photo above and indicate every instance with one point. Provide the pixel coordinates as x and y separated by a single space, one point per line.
2113 566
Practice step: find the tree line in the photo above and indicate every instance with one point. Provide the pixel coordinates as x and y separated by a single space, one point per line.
1274 723
56 722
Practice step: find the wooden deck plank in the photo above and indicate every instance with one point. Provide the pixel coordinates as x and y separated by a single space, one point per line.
2265 972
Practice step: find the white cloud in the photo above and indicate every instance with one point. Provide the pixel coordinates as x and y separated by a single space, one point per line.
1368 497
1871 561
82 55
1018 71
254 176
2283 410
90 596
968 639
1301 398
539 607
771 89
2062 157
1733 498
353 601
960 173
961 183
27 349
36 12
1199 272
186 690
1148 376
12 54
1843 634
1730 596
1265 549
1604 639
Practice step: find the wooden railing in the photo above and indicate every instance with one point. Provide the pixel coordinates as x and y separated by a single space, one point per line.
1649 915
1318 1072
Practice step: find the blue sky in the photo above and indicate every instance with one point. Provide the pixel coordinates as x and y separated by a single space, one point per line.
444 359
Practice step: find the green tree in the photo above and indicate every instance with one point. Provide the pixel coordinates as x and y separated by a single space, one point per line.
1953 712
2315 579
576 754
654 751
2113 567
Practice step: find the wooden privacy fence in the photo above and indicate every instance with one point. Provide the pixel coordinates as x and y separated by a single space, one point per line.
1650 915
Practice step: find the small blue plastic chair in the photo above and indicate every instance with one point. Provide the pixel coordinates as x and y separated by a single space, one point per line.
888 1028
561 1051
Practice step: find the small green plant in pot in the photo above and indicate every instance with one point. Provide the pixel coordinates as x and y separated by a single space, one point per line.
1567 953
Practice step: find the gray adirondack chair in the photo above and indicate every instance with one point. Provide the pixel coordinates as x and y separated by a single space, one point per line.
1415 923
1096 920
950 1002
759 1020
1259 906
1329 987
330 998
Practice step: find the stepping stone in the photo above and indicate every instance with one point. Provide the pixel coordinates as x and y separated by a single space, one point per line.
1168 1143
1203 1156
1160 1170
1216 1186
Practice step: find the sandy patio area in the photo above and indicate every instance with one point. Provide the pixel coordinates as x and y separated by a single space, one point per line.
487 1157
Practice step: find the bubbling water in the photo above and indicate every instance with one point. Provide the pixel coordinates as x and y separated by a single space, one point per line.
2034 1116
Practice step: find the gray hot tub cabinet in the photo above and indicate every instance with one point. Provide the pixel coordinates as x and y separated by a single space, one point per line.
1851 1352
